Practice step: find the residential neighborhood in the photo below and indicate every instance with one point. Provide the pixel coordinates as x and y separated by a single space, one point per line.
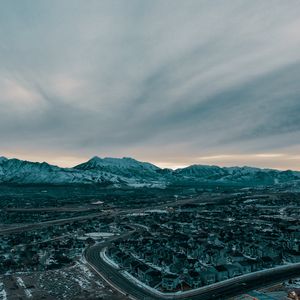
174 246
199 244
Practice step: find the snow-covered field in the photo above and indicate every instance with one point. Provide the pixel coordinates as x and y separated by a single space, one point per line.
3 295
76 282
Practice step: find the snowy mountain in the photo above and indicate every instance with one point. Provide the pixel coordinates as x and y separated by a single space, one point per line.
126 166
242 175
201 171
25 172
128 171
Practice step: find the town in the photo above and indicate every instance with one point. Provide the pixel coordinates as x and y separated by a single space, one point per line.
178 245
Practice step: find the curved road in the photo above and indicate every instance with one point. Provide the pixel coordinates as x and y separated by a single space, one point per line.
221 290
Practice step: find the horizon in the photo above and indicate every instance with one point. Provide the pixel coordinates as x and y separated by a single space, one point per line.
158 164
193 83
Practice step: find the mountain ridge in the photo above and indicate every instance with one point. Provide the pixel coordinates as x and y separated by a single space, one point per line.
131 172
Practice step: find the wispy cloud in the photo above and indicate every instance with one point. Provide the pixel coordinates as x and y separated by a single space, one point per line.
165 81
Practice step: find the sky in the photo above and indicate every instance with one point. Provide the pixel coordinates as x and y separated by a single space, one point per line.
170 82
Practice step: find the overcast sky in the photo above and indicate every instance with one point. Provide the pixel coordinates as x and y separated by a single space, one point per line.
170 82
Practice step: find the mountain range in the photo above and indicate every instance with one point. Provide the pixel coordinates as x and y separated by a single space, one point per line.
130 172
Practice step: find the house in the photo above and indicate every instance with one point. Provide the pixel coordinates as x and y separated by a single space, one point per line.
113 252
153 278
148 255
133 266
118 257
194 279
237 256
208 277
157 260
292 256
233 270
142 269
192 262
126 260
170 282
176 267
255 265
179 258
244 266
222 273
267 262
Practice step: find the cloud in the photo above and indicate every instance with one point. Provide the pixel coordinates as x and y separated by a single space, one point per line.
163 81
16 96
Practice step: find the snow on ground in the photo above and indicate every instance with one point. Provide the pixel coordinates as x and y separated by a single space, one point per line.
96 235
97 202
89 274
158 211
149 185
99 234
22 285
76 282
136 214
3 294
250 201
82 281
108 260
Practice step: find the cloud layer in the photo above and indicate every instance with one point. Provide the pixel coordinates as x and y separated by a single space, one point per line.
165 81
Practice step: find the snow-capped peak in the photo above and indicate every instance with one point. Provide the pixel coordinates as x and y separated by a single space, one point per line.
110 163
2 159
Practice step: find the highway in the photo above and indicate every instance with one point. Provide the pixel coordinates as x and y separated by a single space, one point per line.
26 227
221 290
31 226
